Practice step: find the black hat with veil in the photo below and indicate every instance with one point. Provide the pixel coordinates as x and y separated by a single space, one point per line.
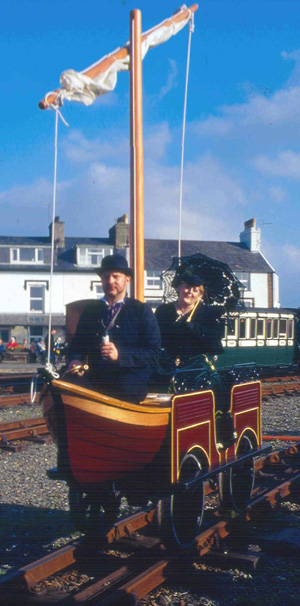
221 285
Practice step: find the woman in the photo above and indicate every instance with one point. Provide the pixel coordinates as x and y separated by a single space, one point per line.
191 333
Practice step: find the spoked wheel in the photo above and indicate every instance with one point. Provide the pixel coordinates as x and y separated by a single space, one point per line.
90 514
180 515
236 485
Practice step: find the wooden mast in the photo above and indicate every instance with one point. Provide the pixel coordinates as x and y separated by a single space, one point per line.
136 159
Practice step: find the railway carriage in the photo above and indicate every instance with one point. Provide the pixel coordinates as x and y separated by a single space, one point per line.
266 339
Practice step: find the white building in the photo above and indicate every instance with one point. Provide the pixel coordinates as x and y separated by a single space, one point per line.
25 273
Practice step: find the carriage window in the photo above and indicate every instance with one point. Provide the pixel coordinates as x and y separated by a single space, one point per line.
260 328
269 329
275 329
252 328
290 329
231 327
283 328
242 333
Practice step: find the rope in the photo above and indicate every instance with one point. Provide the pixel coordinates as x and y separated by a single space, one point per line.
191 31
57 113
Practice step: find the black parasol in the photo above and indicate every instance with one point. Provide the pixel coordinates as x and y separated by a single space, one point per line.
221 285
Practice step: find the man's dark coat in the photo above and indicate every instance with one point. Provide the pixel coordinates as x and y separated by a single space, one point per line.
136 336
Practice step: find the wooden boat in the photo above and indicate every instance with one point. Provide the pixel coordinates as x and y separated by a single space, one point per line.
106 438
162 449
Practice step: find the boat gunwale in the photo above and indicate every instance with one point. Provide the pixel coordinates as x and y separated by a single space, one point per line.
154 407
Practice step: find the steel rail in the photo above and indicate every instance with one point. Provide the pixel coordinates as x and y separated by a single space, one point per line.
17 430
280 467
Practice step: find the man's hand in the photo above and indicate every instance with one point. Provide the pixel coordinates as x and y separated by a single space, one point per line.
76 367
109 350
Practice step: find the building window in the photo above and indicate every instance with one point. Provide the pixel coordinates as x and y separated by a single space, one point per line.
91 257
36 332
98 289
37 298
248 302
27 255
244 278
4 335
153 279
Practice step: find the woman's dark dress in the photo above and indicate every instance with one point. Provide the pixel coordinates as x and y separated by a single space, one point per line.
189 343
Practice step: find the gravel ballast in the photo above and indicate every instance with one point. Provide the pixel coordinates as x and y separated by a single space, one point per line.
35 520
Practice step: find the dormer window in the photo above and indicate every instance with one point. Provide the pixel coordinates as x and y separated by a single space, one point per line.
27 255
91 257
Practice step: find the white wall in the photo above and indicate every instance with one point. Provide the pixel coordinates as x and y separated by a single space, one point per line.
259 290
65 288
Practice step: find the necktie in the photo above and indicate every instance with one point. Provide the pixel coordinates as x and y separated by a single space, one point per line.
111 312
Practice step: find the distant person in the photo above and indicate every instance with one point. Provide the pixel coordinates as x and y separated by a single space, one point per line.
52 344
12 343
2 350
25 344
41 350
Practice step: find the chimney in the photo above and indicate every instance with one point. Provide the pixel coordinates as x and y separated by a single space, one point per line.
59 233
120 232
251 235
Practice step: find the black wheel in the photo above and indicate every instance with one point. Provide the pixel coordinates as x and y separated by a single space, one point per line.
90 513
236 485
180 515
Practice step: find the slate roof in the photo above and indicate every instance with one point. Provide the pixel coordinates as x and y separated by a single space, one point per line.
159 254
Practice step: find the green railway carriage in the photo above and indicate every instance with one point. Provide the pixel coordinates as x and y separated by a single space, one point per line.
266 338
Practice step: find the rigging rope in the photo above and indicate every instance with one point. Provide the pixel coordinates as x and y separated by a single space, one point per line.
57 113
191 31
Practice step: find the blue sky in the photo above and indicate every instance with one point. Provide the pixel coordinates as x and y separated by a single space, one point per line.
243 124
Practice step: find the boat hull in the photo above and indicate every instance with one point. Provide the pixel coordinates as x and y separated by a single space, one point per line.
105 439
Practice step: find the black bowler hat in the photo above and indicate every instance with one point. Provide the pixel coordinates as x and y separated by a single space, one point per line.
115 263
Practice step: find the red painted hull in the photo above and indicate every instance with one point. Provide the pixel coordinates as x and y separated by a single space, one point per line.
107 438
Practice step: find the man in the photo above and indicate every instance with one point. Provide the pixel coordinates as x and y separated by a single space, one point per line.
117 337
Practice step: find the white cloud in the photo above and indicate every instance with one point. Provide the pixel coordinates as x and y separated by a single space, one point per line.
80 150
209 192
278 193
282 108
286 164
292 256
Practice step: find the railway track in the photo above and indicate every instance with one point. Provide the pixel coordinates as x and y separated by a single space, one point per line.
280 385
26 429
36 427
132 561
15 389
